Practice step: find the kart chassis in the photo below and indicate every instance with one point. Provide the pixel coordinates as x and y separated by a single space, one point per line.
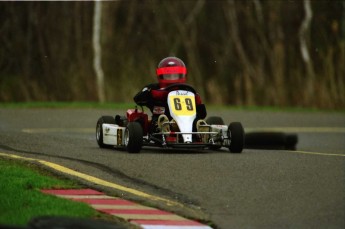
136 130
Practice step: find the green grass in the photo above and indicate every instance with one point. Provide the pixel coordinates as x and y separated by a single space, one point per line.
125 106
67 105
21 199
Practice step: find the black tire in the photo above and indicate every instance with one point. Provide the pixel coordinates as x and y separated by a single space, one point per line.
236 133
291 141
134 137
99 130
215 120
271 140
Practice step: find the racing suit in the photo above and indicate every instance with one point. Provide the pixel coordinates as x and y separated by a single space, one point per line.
155 98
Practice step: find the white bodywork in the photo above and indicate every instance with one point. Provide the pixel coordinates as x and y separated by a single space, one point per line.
182 109
113 134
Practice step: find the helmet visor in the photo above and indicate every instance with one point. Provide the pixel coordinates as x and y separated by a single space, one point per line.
172 76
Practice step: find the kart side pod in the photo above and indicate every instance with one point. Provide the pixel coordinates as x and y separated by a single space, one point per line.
113 134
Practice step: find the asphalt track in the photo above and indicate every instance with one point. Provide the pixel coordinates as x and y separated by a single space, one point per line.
304 188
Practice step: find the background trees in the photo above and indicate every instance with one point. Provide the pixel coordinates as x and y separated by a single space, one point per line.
253 52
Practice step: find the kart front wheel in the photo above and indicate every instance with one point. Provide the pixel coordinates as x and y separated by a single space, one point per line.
236 134
134 137
99 130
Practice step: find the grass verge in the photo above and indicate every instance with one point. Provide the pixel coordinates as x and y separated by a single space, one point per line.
108 105
67 105
21 199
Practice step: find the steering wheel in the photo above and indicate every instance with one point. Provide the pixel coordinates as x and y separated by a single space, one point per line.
180 86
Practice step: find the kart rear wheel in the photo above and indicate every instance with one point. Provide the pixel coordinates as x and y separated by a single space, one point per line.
215 120
236 134
134 137
99 130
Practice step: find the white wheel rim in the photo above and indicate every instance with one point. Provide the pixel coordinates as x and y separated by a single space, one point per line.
98 132
126 137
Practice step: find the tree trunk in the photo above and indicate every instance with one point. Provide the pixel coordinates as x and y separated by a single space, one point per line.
97 61
303 35
248 69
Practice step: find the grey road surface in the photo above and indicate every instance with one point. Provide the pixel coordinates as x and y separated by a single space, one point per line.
256 189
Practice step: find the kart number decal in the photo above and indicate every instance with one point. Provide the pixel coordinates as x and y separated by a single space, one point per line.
182 105
119 137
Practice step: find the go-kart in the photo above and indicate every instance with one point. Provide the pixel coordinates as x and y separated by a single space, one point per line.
135 130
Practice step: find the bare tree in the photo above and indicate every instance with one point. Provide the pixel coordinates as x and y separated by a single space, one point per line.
97 61
259 52
248 69
188 36
303 36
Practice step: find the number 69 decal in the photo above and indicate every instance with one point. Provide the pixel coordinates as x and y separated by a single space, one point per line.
182 105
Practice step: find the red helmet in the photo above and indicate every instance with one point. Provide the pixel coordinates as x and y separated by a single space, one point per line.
171 70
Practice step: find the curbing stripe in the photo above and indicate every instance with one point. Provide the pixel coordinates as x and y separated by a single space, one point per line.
87 197
106 207
130 217
136 211
89 192
170 222
106 201
146 217
79 192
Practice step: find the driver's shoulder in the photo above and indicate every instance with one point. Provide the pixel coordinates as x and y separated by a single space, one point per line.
153 86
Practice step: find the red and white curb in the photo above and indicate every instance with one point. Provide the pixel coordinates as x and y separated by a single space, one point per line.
146 217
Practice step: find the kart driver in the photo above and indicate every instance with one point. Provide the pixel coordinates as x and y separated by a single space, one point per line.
171 70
